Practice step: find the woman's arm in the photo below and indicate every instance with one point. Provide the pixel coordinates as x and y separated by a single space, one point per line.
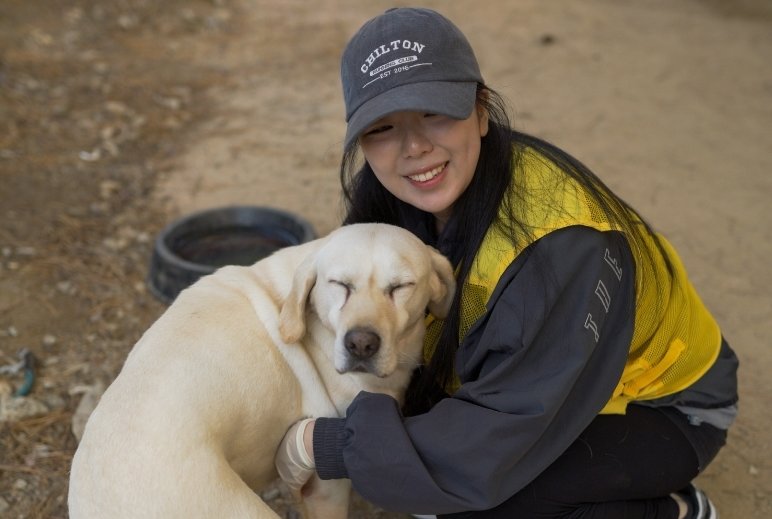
535 370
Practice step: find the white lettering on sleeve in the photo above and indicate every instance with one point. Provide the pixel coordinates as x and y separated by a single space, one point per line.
602 292
612 262
589 324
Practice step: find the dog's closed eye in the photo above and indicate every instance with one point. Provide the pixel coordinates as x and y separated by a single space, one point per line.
394 288
348 287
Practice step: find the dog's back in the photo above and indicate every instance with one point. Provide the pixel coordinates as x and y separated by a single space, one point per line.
188 404
190 426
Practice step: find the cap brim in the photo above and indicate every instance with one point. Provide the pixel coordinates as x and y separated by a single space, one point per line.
452 98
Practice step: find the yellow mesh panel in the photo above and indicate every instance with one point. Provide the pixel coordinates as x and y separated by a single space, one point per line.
432 337
473 302
473 307
675 339
596 215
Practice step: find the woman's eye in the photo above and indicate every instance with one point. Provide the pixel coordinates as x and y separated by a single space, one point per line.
377 129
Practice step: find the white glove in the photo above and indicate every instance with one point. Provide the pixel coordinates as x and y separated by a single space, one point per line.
292 461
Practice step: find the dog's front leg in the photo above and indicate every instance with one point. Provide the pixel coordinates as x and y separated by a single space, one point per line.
326 499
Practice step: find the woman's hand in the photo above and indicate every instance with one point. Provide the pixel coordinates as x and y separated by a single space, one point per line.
295 457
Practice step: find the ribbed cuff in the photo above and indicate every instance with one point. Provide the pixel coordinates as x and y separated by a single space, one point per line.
329 437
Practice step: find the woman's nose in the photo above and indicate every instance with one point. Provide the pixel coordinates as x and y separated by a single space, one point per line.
416 143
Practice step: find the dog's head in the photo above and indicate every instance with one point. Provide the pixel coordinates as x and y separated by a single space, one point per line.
370 285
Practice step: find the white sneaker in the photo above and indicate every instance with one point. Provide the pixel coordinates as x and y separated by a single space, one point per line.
700 507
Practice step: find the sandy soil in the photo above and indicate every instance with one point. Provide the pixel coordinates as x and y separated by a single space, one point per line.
116 117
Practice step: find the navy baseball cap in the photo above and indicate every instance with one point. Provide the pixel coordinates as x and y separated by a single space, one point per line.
407 59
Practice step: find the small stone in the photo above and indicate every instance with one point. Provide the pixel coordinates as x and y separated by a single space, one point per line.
73 15
189 15
117 108
14 408
111 148
101 67
89 400
39 451
4 506
49 340
37 36
171 103
753 471
108 132
65 287
90 156
53 401
128 21
108 188
51 361
115 244
99 207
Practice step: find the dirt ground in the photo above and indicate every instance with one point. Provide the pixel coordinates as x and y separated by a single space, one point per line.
118 116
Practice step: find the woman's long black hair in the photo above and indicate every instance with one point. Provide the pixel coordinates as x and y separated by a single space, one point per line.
477 209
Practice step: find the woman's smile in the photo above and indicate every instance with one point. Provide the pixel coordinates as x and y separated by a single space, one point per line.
430 177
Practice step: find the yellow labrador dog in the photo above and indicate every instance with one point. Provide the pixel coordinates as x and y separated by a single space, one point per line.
190 426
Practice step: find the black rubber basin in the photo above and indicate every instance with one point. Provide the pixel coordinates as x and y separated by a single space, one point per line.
200 243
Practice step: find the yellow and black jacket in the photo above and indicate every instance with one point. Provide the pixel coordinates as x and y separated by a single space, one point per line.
554 332
675 339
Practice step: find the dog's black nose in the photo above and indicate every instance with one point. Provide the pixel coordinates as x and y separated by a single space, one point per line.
361 343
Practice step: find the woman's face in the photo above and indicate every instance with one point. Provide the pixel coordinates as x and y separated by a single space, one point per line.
425 160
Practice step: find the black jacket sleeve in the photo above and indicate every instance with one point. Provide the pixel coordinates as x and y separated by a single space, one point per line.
535 370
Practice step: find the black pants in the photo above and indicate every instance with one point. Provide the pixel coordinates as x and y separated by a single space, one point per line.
622 466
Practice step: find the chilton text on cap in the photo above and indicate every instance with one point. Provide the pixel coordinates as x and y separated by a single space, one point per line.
386 48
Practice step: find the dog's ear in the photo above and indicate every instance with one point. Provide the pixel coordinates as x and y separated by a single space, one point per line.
442 283
292 319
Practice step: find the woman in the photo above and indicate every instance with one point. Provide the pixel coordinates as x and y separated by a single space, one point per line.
578 374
